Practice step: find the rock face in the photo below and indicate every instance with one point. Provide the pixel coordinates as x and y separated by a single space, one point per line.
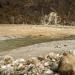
67 64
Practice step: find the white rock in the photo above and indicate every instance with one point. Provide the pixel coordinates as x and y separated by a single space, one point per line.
7 70
53 60
48 72
25 74
8 60
46 64
57 55
21 60
3 67
73 52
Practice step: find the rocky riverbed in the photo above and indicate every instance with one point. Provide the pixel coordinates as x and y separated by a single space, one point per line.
50 64
40 59
41 49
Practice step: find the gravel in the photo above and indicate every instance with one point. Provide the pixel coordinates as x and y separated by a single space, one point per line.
41 49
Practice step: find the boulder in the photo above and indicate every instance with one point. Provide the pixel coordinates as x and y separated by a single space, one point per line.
67 64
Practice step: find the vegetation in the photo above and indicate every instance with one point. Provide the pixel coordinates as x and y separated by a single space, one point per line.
31 11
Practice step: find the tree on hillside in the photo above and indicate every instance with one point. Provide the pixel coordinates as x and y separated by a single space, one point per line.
31 11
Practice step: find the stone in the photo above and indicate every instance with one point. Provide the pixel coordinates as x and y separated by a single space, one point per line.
48 72
67 64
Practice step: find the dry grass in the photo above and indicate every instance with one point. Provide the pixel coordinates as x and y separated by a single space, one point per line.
21 30
33 34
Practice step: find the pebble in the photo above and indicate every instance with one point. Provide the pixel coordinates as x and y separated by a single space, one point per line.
42 65
48 72
46 64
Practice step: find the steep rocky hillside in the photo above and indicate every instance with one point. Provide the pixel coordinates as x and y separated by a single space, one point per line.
31 11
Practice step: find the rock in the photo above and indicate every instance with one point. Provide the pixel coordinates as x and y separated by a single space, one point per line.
56 74
21 60
46 64
40 58
67 64
40 67
32 60
54 66
7 70
8 60
52 56
51 64
48 72
73 52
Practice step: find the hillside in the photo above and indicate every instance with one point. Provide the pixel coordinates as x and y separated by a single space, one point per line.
31 11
